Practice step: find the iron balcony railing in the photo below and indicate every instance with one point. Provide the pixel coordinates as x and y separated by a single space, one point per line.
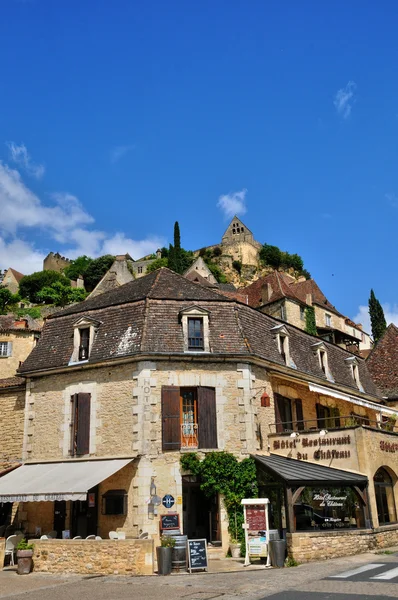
332 422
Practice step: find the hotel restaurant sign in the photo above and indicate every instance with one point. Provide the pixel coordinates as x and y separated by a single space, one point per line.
322 448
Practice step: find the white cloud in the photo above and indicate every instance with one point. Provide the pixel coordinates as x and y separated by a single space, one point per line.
344 99
119 151
390 313
62 219
20 155
20 255
233 203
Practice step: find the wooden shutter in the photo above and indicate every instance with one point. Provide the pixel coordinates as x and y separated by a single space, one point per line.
9 349
171 430
207 418
278 418
83 423
299 415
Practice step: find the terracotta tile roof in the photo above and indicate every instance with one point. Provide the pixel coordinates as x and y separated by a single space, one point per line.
382 362
280 288
198 278
132 323
11 323
309 286
12 382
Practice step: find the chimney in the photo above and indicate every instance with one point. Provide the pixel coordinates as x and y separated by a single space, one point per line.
266 293
308 299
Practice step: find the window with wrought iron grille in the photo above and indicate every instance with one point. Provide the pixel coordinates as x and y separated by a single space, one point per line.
195 334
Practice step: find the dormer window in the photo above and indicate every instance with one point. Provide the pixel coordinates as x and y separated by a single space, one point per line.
282 339
352 363
84 345
85 330
195 327
195 333
320 351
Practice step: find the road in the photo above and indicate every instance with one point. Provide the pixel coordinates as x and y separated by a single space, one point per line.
363 577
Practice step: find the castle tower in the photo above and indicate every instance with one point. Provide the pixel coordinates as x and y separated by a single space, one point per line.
237 232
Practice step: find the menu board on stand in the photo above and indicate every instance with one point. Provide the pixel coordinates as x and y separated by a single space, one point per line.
256 526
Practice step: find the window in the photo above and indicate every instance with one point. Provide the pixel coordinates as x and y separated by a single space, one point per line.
283 312
323 361
355 374
85 330
288 414
80 424
5 349
114 502
189 418
195 328
384 497
328 320
352 363
139 269
327 508
195 334
84 345
328 417
283 347
282 338
302 313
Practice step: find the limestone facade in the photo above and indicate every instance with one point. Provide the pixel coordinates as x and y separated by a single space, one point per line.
55 262
12 404
20 343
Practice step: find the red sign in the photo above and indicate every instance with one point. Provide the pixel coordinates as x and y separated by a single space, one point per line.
91 500
255 517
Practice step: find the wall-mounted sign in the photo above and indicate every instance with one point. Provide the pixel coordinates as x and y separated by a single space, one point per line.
324 448
156 500
91 500
168 501
170 521
179 499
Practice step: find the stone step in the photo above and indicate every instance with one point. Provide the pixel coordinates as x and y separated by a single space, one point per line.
215 553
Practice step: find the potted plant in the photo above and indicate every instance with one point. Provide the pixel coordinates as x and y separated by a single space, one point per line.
163 554
234 544
24 557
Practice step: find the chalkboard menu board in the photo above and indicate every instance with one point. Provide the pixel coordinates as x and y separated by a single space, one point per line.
255 517
171 521
197 554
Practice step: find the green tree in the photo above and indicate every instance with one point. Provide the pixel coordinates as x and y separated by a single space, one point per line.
96 270
31 285
157 264
8 300
377 318
310 323
271 255
61 293
179 260
78 267
296 262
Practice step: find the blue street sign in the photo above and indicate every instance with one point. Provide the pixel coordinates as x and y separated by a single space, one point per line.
168 501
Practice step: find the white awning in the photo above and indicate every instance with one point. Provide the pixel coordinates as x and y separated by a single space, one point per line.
319 389
69 480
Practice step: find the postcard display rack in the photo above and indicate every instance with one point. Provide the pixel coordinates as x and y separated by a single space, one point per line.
256 526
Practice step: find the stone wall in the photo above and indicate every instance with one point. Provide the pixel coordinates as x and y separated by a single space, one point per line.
109 557
55 262
12 403
2 551
308 546
23 343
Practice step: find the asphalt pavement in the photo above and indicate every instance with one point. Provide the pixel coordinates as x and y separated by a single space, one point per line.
349 578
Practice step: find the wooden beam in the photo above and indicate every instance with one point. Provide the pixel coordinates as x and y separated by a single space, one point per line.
297 494
289 510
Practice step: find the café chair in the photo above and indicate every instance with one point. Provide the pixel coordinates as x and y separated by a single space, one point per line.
11 543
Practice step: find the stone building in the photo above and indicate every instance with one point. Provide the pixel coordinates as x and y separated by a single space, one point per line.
382 363
55 262
282 296
119 273
121 385
200 268
18 337
11 279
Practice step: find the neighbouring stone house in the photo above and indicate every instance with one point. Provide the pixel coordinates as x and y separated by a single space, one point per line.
382 363
11 279
199 267
285 297
18 337
119 386
119 273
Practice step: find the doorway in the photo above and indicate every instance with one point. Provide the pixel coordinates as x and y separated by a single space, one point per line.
201 515
85 515
59 517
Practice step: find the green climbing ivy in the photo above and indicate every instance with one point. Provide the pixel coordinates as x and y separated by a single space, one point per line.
221 473
310 323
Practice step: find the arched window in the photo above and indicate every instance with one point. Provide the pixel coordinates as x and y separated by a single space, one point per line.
384 497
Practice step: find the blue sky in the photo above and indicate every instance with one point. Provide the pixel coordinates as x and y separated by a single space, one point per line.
116 119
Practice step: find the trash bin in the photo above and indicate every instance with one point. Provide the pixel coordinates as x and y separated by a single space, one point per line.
277 550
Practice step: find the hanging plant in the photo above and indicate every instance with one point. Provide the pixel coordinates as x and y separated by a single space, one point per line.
221 473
